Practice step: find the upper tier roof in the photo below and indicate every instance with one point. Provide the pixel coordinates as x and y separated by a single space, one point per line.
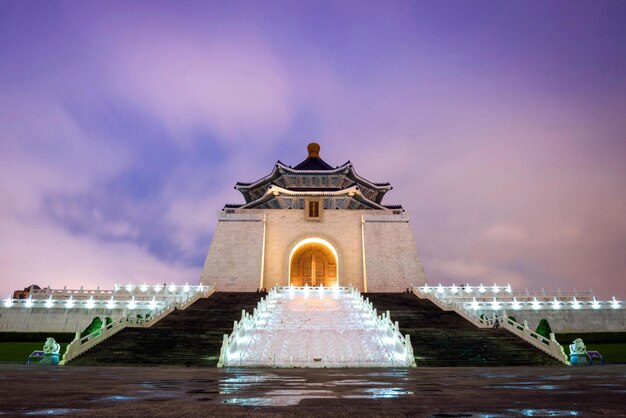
313 175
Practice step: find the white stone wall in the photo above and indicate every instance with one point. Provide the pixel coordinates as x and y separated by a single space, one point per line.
21 319
391 259
571 320
235 260
235 255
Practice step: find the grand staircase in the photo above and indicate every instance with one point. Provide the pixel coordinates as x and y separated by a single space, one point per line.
190 337
443 338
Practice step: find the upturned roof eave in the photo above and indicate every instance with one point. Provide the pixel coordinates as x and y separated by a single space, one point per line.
274 191
280 166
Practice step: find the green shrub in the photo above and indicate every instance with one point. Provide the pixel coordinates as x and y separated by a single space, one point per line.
543 328
95 325
512 318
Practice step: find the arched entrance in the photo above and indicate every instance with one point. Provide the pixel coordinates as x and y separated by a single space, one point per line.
313 261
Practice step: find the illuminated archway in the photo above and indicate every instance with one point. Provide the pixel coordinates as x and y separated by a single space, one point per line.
313 261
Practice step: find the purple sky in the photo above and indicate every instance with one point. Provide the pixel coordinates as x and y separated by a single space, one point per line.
501 126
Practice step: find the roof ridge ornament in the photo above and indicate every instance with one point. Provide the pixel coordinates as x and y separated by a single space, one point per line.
314 150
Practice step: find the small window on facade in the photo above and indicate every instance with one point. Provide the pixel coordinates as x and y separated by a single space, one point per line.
313 209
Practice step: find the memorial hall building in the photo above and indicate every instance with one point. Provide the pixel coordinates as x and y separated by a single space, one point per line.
313 224
312 269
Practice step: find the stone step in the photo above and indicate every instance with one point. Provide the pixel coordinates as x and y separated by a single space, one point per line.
190 337
444 338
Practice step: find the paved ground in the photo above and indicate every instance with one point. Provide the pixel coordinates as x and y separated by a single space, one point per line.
481 392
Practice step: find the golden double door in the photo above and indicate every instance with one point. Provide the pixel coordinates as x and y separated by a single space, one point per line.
314 265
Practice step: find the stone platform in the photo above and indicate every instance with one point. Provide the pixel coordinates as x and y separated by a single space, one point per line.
459 392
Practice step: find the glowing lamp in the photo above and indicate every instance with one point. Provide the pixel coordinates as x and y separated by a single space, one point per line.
614 303
535 303
595 304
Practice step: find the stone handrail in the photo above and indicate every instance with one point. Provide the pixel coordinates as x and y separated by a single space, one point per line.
130 302
82 344
443 305
241 217
549 346
384 323
229 342
465 291
400 217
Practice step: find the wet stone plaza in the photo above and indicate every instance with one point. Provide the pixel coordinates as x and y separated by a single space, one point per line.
445 392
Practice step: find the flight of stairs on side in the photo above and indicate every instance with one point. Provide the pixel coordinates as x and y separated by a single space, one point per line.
190 337
444 338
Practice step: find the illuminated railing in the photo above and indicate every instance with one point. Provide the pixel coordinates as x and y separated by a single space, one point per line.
389 329
503 297
133 297
549 346
396 217
82 344
239 339
232 342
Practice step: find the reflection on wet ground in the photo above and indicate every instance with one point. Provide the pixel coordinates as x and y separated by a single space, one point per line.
457 392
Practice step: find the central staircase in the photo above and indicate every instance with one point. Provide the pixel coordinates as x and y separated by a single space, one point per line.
190 337
445 339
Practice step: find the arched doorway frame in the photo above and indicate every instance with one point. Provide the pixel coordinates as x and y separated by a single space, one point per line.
313 240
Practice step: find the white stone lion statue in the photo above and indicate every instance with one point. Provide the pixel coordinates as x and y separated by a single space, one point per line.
577 347
51 346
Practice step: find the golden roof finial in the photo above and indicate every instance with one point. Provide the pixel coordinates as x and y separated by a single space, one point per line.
314 150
